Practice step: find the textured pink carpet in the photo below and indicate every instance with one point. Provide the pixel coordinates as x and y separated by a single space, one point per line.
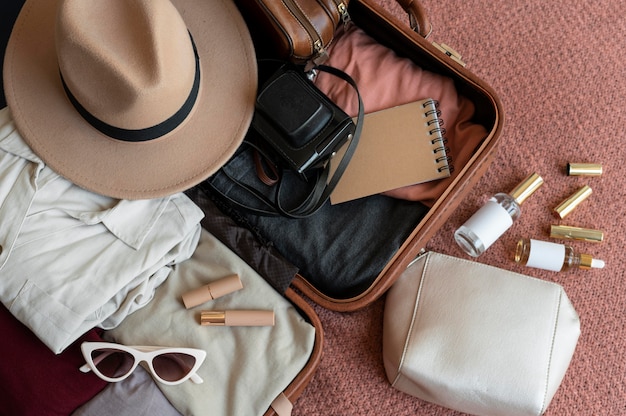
560 70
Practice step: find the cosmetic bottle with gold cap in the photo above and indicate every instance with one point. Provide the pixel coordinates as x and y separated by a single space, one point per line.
552 256
495 217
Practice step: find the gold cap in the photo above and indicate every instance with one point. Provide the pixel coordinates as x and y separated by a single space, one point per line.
586 262
237 318
526 187
567 206
576 233
584 169
213 318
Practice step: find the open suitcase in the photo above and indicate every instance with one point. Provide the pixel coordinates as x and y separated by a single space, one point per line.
409 43
419 222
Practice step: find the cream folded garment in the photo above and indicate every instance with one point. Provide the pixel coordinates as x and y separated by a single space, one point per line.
71 259
246 367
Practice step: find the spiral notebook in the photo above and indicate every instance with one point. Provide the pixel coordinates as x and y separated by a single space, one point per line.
399 146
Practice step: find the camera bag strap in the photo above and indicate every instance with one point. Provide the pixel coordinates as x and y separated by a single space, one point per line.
322 186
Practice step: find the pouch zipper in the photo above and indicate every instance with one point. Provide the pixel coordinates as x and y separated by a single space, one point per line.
421 254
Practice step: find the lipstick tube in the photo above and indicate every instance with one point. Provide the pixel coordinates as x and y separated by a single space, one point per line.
237 318
576 233
584 169
212 291
567 206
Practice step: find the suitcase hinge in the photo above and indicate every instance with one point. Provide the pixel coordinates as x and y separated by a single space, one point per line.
450 52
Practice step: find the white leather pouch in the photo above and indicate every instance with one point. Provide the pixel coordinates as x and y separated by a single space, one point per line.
476 338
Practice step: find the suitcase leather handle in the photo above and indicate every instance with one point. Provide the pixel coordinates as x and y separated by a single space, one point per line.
418 19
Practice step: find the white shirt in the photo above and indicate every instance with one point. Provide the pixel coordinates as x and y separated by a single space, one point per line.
71 259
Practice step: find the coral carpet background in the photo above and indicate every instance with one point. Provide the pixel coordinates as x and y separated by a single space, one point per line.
560 71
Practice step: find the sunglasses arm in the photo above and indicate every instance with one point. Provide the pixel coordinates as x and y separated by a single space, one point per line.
85 368
196 379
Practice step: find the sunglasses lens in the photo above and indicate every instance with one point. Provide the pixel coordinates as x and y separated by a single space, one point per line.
112 363
173 366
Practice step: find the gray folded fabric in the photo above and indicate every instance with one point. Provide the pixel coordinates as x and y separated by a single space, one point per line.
136 395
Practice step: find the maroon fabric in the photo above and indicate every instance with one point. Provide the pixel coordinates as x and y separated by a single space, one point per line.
34 381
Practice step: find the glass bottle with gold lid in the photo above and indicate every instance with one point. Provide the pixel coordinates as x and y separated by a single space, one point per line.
492 220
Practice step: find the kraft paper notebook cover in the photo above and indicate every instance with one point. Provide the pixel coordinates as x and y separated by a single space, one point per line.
399 146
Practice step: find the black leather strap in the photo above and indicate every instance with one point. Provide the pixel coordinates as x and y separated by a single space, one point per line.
323 186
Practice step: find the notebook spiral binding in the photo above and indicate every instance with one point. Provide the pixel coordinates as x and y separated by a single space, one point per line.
437 130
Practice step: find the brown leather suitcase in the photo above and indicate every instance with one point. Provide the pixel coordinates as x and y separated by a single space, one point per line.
408 39
439 58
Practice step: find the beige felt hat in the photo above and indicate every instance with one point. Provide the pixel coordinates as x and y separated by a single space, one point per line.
131 99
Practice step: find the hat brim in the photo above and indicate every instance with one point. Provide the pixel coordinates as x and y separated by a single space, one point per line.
53 129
